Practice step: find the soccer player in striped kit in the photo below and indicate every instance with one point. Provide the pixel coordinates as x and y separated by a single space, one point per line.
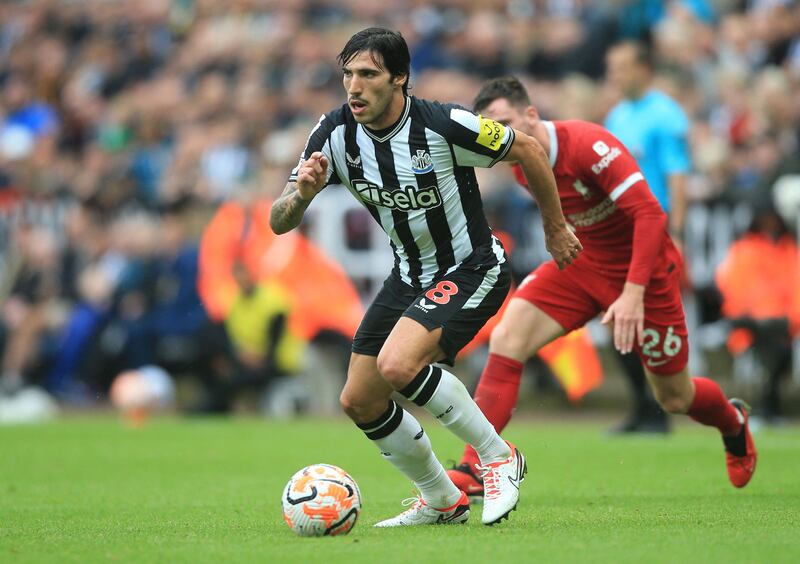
411 163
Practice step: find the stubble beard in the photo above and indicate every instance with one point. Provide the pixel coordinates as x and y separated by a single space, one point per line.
377 114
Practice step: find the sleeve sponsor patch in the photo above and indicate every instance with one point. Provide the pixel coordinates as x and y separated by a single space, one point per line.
492 134
600 148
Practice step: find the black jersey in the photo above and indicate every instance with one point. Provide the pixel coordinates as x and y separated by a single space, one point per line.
417 179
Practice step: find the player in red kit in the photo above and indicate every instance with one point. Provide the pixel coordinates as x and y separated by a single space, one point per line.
629 269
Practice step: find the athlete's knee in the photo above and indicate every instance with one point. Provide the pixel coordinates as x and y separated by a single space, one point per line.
359 408
504 340
673 401
674 392
396 368
349 403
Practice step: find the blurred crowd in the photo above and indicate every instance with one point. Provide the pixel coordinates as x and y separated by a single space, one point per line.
129 127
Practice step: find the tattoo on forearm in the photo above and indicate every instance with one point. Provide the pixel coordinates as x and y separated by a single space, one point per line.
287 211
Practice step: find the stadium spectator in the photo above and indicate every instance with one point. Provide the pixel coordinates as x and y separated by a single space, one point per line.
239 242
157 315
26 114
269 297
43 332
29 292
263 349
760 285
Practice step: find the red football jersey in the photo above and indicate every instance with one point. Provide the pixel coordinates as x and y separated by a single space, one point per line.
606 200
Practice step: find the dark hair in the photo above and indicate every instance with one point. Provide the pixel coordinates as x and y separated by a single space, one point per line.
642 53
764 216
508 87
389 44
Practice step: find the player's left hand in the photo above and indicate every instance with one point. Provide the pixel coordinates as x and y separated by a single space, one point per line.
563 245
627 315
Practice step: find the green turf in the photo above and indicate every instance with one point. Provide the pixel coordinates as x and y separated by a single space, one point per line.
209 490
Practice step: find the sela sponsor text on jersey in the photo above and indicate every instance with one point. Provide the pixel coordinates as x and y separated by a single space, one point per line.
406 198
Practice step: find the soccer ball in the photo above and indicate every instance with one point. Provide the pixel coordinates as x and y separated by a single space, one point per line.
137 393
321 500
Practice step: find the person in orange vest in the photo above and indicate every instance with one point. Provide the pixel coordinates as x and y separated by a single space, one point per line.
268 297
760 285
322 296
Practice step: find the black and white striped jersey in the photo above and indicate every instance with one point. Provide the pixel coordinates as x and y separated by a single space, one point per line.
417 179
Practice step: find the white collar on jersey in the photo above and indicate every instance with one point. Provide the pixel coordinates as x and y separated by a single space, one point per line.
551 132
400 123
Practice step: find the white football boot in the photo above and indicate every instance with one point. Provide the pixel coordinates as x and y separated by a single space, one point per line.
420 513
501 482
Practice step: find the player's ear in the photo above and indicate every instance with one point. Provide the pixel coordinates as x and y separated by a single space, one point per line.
400 80
532 113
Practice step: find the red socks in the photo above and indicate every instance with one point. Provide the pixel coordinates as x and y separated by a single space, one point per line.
498 389
496 395
711 407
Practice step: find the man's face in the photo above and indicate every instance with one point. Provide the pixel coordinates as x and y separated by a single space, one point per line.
520 119
16 93
243 278
624 72
370 90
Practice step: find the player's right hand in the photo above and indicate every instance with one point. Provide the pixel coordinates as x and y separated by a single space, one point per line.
626 315
563 245
312 175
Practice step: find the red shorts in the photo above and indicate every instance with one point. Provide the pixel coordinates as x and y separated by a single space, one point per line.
577 294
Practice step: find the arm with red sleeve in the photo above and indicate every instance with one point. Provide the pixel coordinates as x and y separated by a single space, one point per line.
649 230
639 203
625 185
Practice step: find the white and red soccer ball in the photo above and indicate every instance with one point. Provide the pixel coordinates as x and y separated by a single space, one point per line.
321 500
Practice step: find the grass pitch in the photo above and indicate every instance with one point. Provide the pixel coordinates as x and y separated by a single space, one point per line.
89 490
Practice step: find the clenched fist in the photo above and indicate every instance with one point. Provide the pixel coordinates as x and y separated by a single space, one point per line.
312 175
